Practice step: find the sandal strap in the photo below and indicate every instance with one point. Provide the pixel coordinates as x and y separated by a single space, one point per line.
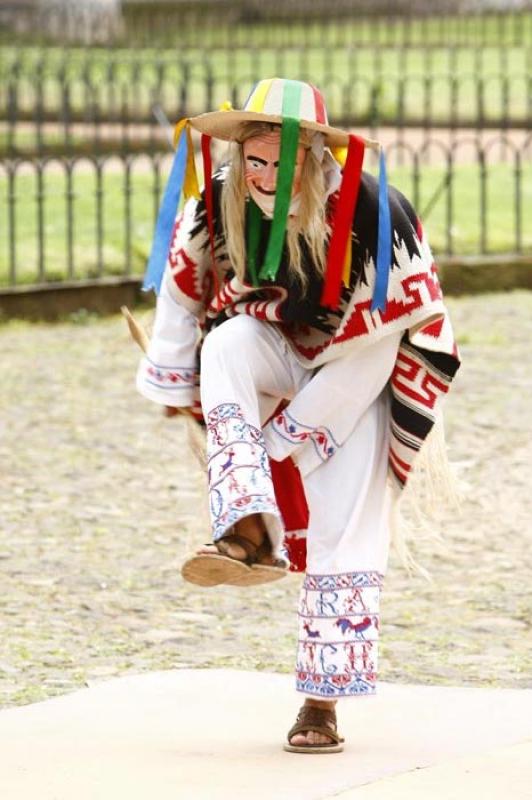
254 554
264 551
311 718
249 548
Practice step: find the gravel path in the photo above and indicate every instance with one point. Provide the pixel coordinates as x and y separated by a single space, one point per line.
98 506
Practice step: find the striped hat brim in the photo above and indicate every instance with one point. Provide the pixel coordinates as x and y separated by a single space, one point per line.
226 125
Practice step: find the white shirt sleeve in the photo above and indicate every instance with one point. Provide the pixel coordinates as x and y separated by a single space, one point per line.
168 373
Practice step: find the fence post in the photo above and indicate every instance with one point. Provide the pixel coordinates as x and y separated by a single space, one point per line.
99 216
483 198
40 218
12 222
12 108
374 107
183 95
127 213
39 108
70 217
480 119
65 114
209 80
518 207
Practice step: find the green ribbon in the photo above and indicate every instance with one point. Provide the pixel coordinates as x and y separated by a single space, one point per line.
285 179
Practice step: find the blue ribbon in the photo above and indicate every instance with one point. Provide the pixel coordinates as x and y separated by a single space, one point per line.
384 243
166 218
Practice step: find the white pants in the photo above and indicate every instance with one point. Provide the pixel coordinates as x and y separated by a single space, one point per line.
336 429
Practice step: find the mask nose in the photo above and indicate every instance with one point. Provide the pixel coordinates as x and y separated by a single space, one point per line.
269 178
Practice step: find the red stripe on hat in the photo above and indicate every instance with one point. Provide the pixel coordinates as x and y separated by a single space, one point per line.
321 114
207 171
342 223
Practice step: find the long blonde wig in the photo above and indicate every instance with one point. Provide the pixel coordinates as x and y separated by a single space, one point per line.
309 226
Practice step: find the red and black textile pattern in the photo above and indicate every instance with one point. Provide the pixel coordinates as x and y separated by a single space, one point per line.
420 379
422 375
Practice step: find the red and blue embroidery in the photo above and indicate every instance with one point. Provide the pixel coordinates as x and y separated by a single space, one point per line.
297 433
240 481
339 629
170 377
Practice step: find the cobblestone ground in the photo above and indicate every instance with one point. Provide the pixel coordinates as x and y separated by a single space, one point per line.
100 501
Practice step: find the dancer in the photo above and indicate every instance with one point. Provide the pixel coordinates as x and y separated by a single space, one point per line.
299 314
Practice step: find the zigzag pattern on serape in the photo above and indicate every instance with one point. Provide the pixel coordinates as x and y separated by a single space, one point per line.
419 380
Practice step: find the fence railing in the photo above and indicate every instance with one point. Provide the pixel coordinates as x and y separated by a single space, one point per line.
50 101
281 24
92 216
327 26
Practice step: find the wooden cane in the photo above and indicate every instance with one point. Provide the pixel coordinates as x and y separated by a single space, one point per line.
196 432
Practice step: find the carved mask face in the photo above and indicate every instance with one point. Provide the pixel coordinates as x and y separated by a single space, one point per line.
261 161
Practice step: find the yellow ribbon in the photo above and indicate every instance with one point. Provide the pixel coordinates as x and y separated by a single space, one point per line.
340 154
190 184
346 272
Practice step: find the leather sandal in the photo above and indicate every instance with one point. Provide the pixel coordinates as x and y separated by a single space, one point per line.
311 718
213 569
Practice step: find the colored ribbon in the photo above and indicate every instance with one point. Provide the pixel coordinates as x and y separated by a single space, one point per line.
342 223
167 214
285 178
346 272
207 172
384 243
191 186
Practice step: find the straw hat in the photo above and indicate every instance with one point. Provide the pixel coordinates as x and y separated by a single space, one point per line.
272 100
292 105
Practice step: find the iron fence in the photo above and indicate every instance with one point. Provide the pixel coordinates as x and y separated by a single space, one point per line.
52 102
68 218
330 23
286 23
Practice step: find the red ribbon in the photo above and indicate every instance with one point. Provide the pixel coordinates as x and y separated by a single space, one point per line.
290 494
207 172
343 223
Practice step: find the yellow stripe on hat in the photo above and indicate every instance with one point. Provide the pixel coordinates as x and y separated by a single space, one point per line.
258 98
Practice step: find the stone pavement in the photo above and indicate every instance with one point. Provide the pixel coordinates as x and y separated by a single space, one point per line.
216 734
100 501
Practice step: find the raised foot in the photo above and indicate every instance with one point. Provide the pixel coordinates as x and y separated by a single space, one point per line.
235 551
233 560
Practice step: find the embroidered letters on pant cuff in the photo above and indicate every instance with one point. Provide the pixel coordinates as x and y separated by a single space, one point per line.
338 634
240 481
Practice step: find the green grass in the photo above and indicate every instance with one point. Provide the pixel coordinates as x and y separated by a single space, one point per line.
90 257
465 193
109 257
359 83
